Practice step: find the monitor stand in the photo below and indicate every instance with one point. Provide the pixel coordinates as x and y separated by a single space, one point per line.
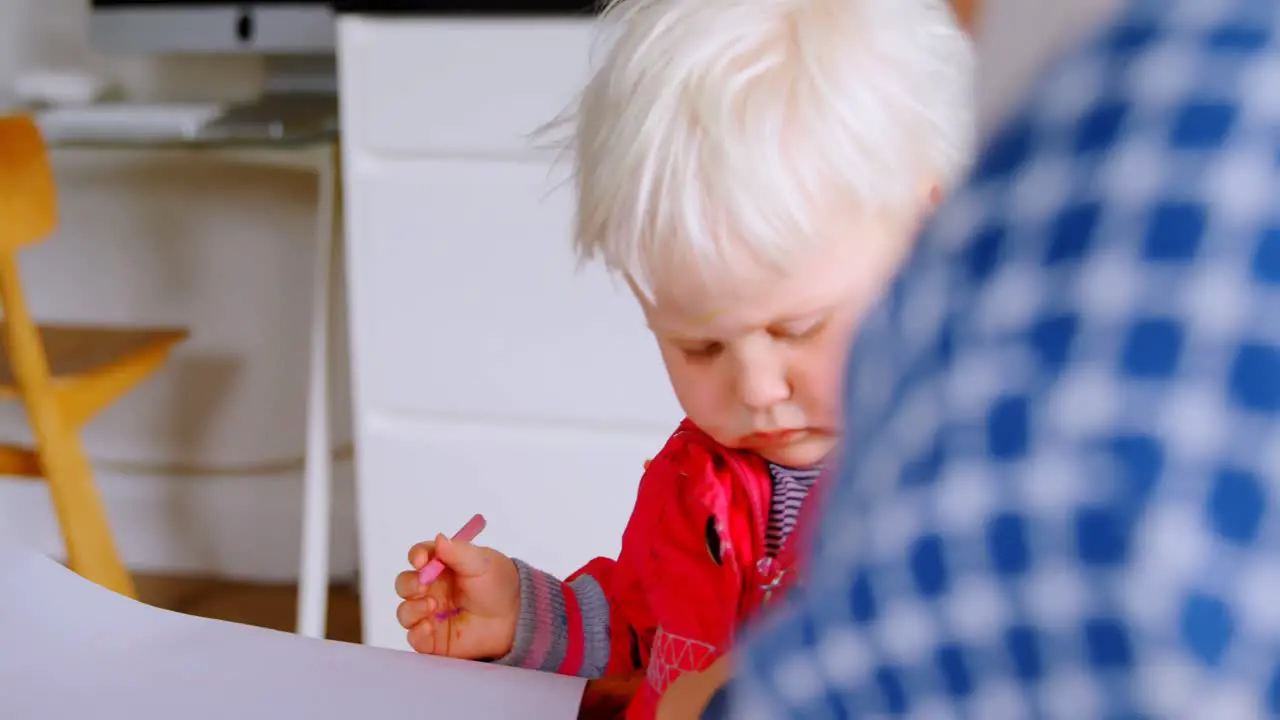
300 94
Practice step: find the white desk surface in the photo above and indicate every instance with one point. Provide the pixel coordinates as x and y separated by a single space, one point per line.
70 649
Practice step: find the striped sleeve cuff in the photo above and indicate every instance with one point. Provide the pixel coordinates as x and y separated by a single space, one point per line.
563 627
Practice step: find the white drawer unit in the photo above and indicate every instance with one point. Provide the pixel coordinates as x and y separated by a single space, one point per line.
456 86
489 374
476 306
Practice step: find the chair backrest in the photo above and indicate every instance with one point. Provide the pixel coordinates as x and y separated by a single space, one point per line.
28 195
28 214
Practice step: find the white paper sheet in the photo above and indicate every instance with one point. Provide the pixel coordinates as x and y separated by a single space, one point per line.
70 649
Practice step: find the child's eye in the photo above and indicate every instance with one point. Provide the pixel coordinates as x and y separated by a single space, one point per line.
799 330
706 351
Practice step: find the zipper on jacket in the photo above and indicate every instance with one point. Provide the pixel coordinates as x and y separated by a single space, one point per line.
768 571
767 580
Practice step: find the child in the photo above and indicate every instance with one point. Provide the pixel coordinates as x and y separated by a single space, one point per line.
754 170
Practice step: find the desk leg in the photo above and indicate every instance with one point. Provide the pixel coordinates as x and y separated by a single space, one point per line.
313 577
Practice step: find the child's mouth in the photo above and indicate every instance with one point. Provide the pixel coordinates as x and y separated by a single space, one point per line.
775 437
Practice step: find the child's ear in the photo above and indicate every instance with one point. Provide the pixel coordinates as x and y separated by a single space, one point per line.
966 12
935 196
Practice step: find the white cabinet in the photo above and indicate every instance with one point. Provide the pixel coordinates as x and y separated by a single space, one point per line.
452 86
489 373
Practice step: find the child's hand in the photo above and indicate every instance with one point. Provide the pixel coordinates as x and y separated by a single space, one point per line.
687 697
470 611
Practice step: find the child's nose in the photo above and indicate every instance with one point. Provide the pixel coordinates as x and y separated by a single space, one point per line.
763 385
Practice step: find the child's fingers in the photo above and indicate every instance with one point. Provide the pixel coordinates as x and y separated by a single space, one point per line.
421 554
408 587
412 612
422 638
462 557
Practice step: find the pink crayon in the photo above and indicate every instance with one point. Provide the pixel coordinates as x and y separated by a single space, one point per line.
469 532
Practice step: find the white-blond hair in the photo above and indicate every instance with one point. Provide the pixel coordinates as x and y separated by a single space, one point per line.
713 127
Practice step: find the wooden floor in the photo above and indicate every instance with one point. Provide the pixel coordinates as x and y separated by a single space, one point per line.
264 605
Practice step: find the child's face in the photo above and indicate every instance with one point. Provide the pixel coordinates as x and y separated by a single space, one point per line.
757 358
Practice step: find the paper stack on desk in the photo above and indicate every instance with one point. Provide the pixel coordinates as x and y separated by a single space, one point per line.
70 649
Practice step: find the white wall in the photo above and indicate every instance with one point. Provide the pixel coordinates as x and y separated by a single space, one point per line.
200 466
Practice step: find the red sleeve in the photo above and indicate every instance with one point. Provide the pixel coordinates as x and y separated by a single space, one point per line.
600 568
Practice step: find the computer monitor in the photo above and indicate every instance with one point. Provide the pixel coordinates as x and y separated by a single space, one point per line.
296 37
269 27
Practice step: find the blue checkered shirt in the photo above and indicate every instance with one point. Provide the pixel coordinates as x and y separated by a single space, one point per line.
1055 499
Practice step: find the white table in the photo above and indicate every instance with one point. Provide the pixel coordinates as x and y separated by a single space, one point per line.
131 669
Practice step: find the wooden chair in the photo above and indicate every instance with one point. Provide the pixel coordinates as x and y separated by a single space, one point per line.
63 375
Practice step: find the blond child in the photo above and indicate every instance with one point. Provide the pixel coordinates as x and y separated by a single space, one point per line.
755 170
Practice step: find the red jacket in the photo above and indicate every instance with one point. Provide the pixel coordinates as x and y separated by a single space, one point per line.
692 567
